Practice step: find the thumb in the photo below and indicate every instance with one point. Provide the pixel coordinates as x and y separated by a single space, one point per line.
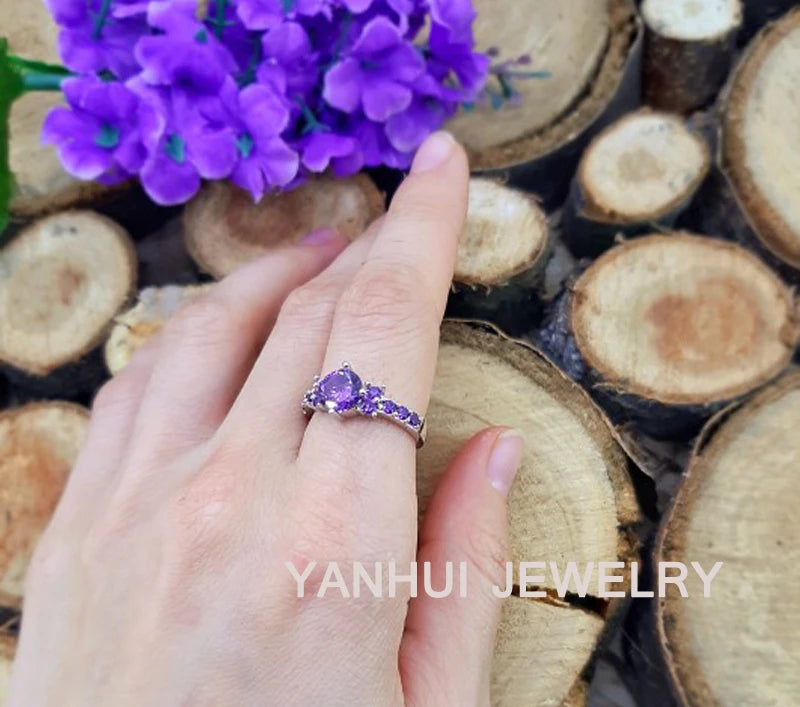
445 656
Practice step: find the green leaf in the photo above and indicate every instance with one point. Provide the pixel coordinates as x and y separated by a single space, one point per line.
12 87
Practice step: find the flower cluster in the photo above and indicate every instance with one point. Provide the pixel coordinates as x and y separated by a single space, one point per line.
263 92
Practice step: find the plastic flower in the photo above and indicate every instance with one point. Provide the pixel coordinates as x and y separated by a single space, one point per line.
185 53
98 135
377 75
262 92
183 146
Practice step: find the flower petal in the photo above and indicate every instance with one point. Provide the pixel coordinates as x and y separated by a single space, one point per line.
382 99
342 88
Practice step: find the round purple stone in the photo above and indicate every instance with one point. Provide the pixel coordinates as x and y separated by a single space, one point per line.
402 413
368 407
389 407
413 420
340 389
373 392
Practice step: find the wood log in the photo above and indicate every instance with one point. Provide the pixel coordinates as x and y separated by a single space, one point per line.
42 185
688 51
758 13
639 172
572 501
738 505
666 329
8 646
62 280
760 145
501 259
145 319
39 443
223 228
590 52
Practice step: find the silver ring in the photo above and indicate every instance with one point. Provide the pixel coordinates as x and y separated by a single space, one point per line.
342 392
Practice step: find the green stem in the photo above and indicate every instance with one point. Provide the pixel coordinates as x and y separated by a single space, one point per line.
42 82
219 23
100 20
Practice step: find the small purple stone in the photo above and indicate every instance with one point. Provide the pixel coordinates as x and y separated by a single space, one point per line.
373 392
368 407
402 413
389 407
413 420
340 388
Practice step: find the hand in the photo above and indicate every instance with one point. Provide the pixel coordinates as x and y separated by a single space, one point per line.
162 578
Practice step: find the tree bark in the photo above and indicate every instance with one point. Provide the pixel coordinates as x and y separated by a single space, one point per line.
738 505
667 329
39 443
63 280
642 171
591 52
223 228
688 51
572 501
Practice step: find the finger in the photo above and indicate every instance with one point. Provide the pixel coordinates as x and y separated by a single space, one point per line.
445 656
113 411
270 399
387 321
209 346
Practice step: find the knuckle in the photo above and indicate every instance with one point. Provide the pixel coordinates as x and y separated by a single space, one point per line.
487 550
197 323
385 300
311 303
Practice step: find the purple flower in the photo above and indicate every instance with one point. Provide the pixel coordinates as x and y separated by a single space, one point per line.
377 75
406 131
98 136
257 116
266 14
264 92
326 148
183 146
186 53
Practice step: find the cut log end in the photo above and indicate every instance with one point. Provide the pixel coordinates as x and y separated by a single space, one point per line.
38 446
41 183
505 235
689 47
224 228
133 328
641 169
761 145
572 499
683 320
63 280
692 20
580 45
738 504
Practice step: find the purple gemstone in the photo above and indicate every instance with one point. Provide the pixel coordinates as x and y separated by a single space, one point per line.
402 413
389 407
368 407
413 420
373 392
341 388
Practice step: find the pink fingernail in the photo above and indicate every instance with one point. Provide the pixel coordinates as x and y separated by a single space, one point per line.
504 460
434 152
321 236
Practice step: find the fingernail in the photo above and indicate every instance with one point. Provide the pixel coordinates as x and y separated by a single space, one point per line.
504 460
435 151
319 237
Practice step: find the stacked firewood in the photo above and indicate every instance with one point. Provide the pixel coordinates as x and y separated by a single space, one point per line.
634 222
